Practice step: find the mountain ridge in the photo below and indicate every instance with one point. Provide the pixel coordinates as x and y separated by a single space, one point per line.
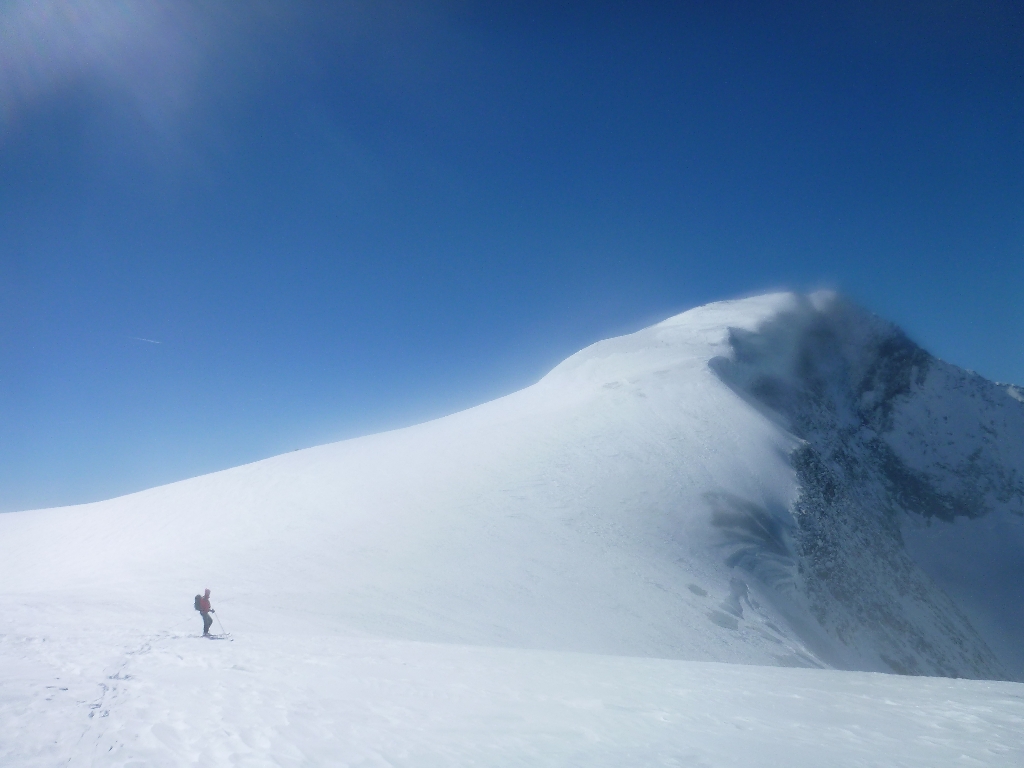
765 480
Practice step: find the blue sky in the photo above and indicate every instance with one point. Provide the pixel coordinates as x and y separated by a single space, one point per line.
339 221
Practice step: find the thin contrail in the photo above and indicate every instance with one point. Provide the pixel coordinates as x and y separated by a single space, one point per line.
138 338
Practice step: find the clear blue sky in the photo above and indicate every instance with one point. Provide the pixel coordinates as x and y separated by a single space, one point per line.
341 221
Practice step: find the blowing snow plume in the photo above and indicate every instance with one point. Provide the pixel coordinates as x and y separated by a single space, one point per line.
784 480
897 448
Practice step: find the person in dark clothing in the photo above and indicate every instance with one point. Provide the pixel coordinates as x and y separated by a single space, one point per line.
206 610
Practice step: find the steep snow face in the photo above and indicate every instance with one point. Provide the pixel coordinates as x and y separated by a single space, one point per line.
764 481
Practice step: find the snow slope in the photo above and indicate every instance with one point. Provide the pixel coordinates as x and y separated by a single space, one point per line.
780 481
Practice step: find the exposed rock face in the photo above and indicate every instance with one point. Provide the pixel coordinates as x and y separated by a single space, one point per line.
888 432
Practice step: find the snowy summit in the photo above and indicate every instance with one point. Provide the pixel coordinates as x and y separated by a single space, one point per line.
782 481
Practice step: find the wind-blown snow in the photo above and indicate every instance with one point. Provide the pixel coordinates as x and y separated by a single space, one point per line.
779 481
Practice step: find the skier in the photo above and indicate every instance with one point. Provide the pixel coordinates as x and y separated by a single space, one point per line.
203 606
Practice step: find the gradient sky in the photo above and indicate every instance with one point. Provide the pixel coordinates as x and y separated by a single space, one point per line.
229 230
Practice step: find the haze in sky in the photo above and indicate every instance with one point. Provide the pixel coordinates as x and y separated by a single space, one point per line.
229 230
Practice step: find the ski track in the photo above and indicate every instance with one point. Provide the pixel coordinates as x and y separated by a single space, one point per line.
174 699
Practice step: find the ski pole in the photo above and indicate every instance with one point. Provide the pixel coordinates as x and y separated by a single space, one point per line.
220 624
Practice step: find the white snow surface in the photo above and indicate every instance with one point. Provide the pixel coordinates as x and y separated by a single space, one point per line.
623 564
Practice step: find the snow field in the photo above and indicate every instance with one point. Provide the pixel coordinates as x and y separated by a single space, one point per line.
105 697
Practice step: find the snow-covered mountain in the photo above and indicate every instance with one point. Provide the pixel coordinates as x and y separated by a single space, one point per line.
783 481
